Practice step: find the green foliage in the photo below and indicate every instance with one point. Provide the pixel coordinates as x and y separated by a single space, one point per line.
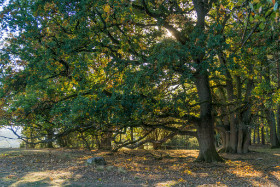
182 142
90 67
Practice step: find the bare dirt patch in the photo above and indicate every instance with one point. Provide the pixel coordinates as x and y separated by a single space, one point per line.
60 167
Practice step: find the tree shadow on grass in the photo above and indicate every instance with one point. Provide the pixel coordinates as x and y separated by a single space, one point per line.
20 167
40 183
264 161
138 168
252 169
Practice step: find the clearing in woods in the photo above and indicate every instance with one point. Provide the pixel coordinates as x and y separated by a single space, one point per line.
65 167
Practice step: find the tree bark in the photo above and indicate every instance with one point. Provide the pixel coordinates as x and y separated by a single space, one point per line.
50 137
205 127
258 133
244 134
278 86
131 134
246 143
245 118
205 130
106 141
225 135
270 117
240 138
231 98
262 135
278 120
267 135
254 135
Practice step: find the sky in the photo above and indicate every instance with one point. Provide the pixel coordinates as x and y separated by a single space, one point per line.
6 142
5 2
2 33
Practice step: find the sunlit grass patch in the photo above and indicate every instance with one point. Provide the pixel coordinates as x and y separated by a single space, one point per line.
43 178
242 169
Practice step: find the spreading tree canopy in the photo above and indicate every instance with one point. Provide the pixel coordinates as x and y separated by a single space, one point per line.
179 65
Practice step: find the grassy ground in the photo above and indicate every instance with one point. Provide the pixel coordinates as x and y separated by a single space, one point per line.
57 167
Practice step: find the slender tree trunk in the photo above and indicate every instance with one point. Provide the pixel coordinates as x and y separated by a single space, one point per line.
278 120
278 86
223 126
227 133
32 141
270 116
245 118
131 134
254 135
271 122
97 142
233 134
262 135
225 136
231 97
247 137
228 141
240 138
258 133
267 135
243 139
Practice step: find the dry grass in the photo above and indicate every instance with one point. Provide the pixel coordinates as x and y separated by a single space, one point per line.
58 167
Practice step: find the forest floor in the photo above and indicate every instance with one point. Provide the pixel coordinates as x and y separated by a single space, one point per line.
67 167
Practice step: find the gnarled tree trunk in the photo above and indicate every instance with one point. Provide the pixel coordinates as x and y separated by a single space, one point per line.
205 130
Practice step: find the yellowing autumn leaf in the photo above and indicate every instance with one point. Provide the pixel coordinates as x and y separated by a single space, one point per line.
249 50
240 15
120 51
107 8
142 46
269 57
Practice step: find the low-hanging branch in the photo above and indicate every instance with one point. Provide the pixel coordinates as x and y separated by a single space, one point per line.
138 144
187 117
133 142
169 128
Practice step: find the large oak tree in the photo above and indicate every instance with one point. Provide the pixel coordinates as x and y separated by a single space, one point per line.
109 65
